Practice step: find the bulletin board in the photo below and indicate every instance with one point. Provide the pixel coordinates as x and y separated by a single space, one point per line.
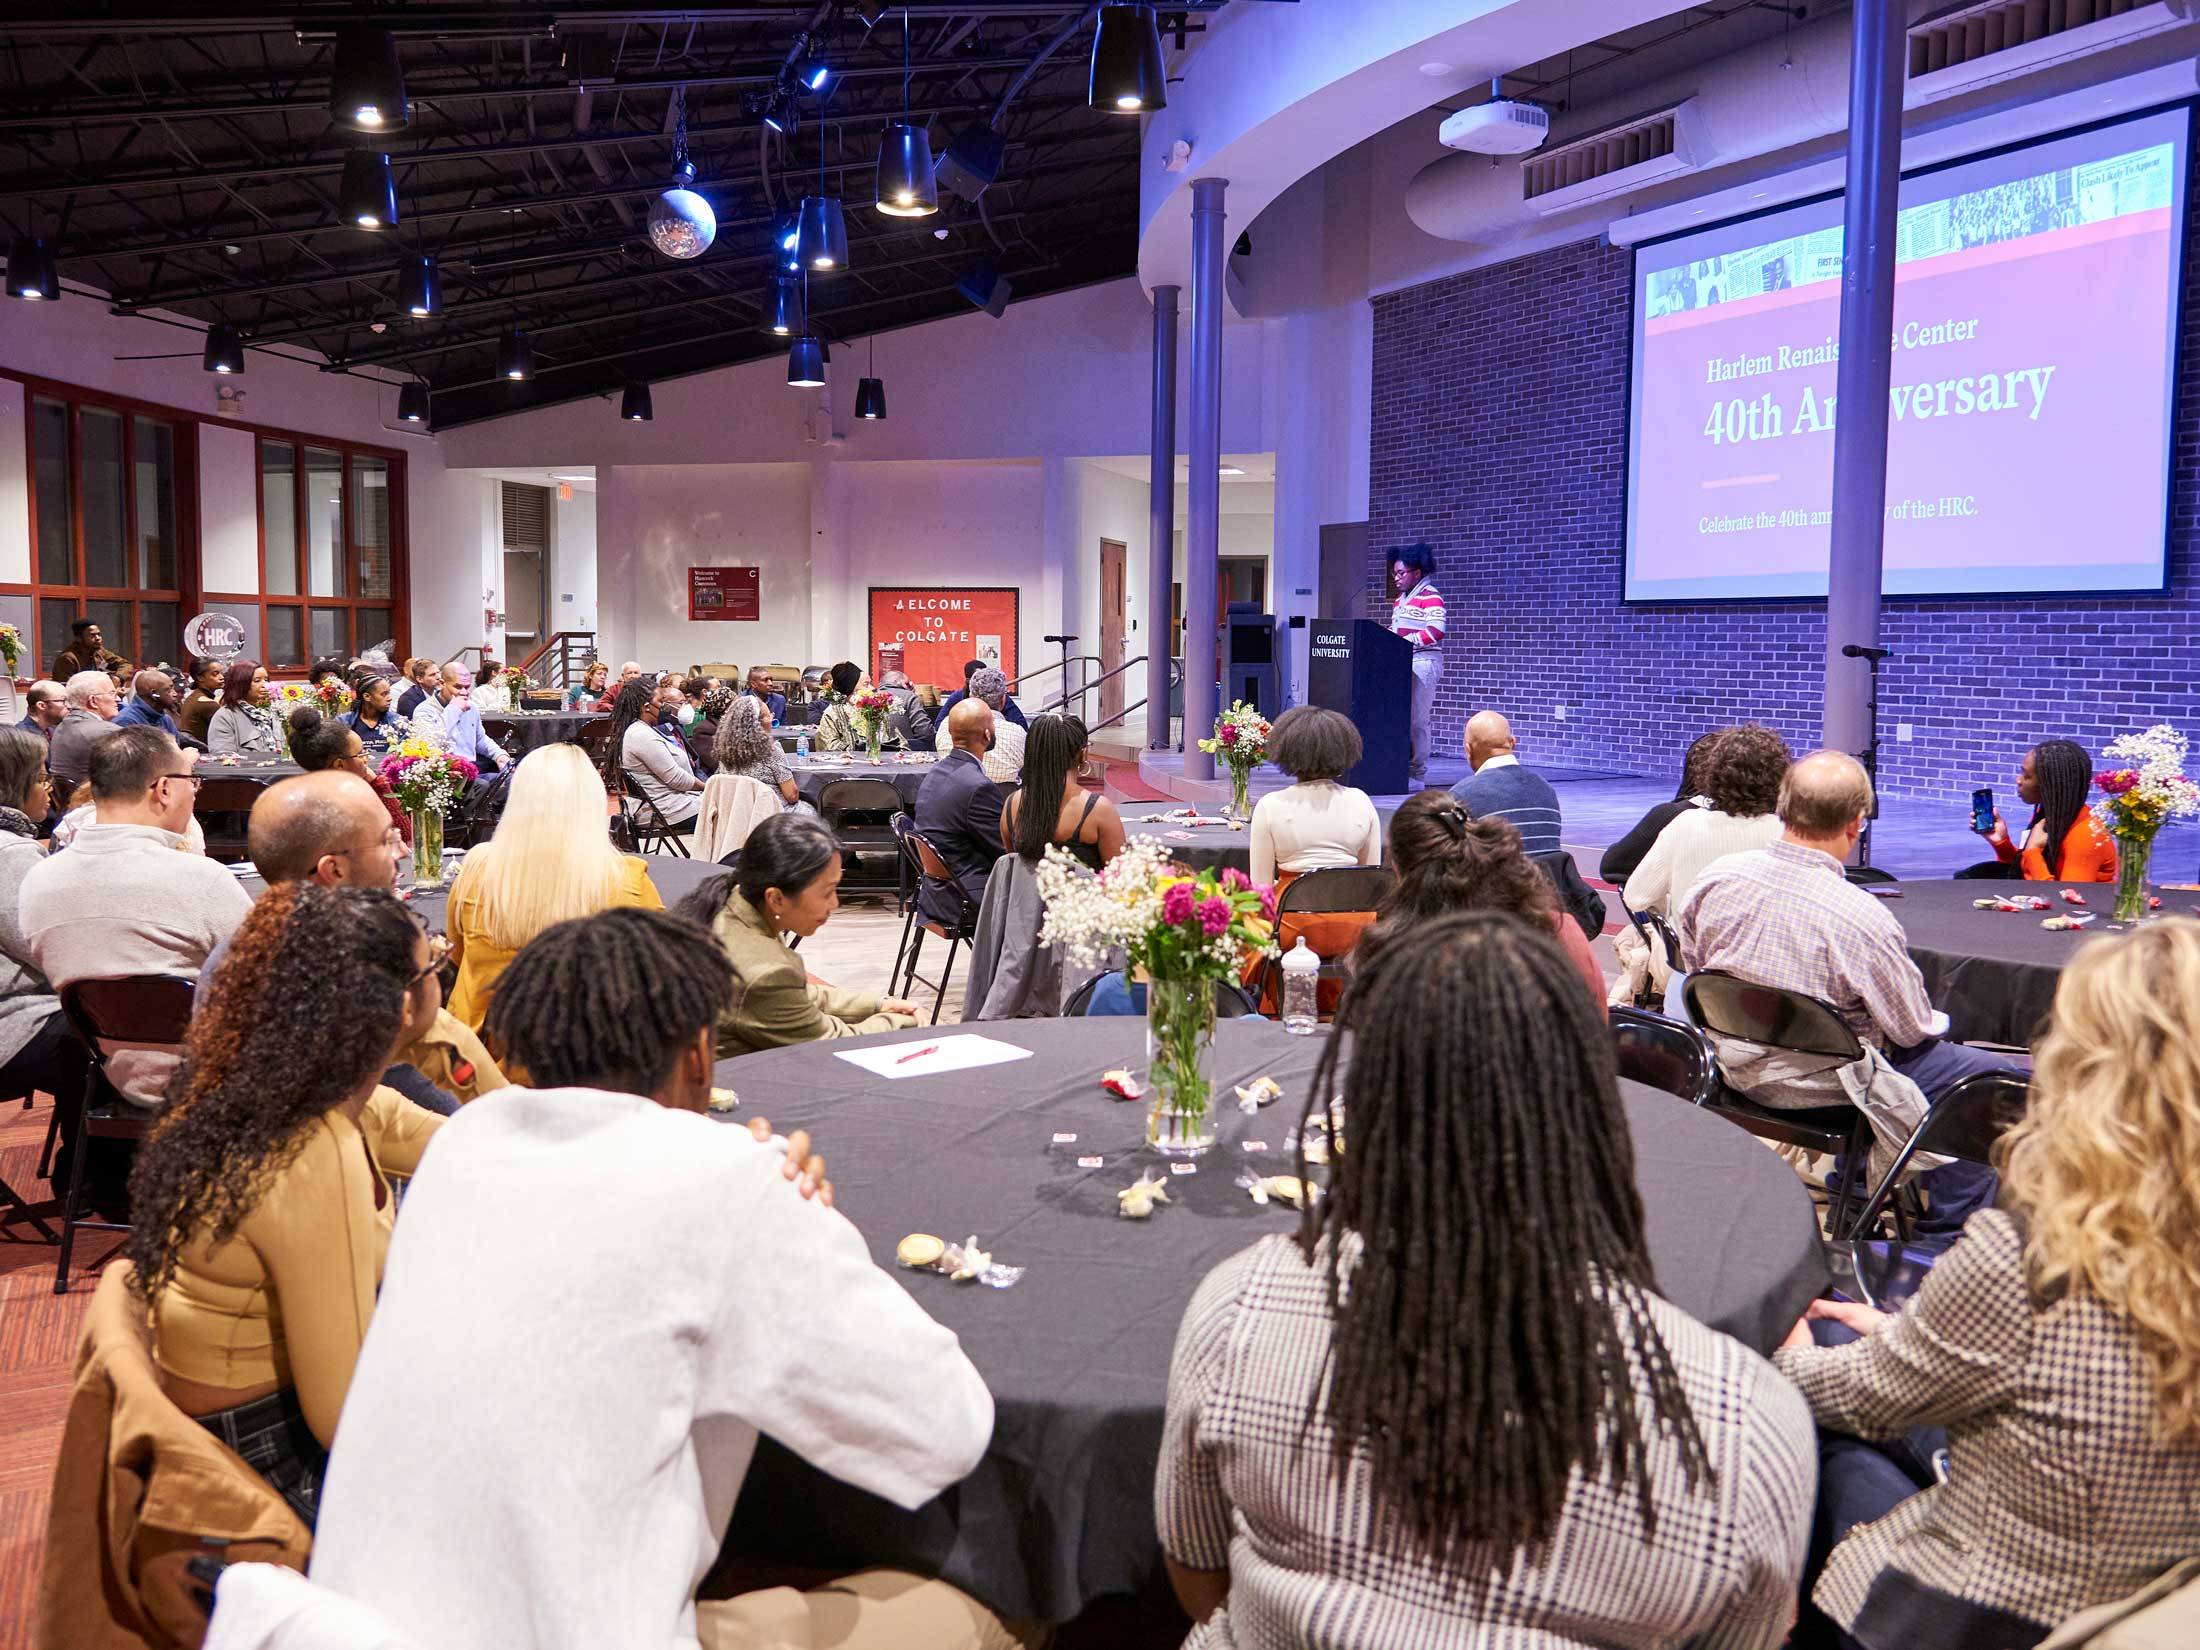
939 628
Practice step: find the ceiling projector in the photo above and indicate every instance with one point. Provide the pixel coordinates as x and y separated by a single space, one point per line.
1498 127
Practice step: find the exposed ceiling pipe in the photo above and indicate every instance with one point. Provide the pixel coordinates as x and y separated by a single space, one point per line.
1054 43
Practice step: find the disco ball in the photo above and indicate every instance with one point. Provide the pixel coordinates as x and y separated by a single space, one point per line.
681 224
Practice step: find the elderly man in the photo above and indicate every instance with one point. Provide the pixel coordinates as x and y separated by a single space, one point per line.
44 705
759 685
1500 788
909 724
1008 708
1787 916
959 809
93 706
448 717
1004 757
153 701
87 650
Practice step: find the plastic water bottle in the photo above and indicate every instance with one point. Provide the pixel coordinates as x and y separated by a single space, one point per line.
1301 990
802 746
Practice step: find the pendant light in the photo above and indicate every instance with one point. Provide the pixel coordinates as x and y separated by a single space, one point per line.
224 352
870 393
789 313
420 286
806 363
367 85
681 222
906 188
32 269
634 405
367 198
412 403
1127 77
515 356
821 240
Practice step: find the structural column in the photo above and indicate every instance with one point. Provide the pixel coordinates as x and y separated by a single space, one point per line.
1867 352
1161 520
1203 527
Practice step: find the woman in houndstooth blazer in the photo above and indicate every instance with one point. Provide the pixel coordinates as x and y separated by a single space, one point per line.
2058 1341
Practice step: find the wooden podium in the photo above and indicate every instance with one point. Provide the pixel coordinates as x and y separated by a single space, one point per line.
1365 670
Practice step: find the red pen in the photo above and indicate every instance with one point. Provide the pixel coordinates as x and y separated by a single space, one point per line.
918 1054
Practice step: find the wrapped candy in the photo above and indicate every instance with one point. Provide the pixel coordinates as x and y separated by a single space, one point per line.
723 1099
1280 1188
2076 919
2071 896
965 1262
1261 1091
1122 1084
1135 1202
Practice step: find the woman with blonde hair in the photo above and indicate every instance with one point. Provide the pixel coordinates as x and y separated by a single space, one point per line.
2058 1343
551 859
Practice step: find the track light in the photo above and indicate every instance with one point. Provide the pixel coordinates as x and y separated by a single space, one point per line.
412 403
367 198
905 186
823 241
224 352
32 271
806 363
986 287
634 405
367 85
515 356
1127 77
971 161
420 286
789 314
811 74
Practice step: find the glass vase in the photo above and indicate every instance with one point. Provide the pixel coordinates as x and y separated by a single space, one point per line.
1241 807
2132 855
1180 1041
871 740
427 824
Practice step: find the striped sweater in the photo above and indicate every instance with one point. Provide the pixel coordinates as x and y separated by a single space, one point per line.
1419 617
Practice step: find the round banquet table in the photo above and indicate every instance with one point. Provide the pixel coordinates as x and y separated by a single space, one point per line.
674 877
813 774
1993 973
521 732
264 770
1201 847
1060 1511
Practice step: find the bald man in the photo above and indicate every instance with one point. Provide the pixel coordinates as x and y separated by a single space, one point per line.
959 812
1500 788
153 700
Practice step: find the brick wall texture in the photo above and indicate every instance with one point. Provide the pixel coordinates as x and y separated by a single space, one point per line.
1500 437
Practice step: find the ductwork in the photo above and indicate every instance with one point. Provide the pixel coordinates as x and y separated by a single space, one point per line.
1795 90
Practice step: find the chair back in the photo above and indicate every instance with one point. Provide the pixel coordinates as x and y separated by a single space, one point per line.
1337 888
1973 1114
1230 1002
221 808
1752 1013
1655 927
229 794
1868 876
930 865
1664 1054
595 738
733 805
1330 909
134 1011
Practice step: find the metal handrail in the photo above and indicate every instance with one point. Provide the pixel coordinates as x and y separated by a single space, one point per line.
1047 670
1176 679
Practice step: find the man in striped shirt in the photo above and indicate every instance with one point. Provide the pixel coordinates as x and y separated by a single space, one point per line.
1419 618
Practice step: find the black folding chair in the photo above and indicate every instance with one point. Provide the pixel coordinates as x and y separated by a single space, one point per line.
860 813
138 1012
1729 1006
647 829
931 871
1665 1054
1337 890
1868 876
1230 1002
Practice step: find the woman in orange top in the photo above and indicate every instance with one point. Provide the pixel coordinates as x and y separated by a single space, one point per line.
2062 844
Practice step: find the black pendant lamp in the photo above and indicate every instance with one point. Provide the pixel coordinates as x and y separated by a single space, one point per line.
905 184
412 403
515 356
806 363
823 241
870 392
634 405
367 86
224 352
367 198
420 286
789 314
1127 77
33 271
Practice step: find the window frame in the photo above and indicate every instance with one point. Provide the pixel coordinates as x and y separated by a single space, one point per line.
303 604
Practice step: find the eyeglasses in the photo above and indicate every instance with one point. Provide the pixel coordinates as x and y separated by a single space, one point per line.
194 780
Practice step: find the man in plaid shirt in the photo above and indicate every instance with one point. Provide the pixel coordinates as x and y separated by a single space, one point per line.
1787 916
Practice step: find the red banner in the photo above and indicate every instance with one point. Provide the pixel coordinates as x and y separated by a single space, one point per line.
938 629
725 593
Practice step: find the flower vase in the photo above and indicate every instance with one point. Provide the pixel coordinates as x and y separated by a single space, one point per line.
871 742
1241 807
2132 855
427 824
1180 1041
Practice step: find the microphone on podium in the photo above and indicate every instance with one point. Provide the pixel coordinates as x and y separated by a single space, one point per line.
1856 650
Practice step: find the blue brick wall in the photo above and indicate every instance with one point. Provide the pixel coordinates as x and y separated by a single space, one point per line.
1500 437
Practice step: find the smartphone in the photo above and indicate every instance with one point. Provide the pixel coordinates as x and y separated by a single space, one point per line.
1982 811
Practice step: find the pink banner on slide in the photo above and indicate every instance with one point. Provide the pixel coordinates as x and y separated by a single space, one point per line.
2027 426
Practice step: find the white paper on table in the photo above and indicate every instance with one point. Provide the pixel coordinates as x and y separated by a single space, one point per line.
958 1051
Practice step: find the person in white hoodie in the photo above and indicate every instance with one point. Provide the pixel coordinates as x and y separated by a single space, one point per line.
596 1299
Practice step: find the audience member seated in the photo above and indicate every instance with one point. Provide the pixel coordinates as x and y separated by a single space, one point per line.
261 1212
759 687
1451 1408
243 724
838 729
1004 757
124 899
2058 1344
87 650
1500 788
959 811
1315 823
2063 843
489 695
44 705
371 718
788 883
93 705
1787 916
447 717
1623 856
910 725
656 759
550 860
595 682
1447 864
152 703
744 745
319 743
1066 815
1743 777
711 702
37 1053
571 1500
1007 708
421 673
201 702
608 705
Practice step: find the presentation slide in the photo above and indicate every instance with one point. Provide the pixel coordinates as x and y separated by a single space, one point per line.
2035 354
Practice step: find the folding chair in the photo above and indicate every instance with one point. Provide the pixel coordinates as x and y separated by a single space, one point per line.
647 829
1731 1007
595 738
860 813
930 869
1665 1054
1341 900
1231 1003
224 806
1656 932
139 1011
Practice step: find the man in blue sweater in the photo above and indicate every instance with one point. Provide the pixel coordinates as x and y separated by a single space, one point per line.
1500 788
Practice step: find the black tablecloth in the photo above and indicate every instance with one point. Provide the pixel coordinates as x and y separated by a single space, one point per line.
674 877
1207 847
1060 1512
811 777
264 771
528 733
1993 973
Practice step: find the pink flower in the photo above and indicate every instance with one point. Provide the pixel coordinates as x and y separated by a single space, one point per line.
1229 733
1177 903
2117 781
1214 915
1235 879
1268 902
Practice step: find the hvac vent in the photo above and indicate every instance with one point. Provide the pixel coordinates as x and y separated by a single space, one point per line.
1976 44
1612 162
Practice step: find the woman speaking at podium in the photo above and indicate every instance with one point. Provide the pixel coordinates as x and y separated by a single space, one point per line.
1419 618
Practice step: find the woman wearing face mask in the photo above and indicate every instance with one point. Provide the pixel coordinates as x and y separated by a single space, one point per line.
658 766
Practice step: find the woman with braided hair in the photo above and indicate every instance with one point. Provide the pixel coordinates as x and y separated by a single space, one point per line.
260 1212
2062 844
1452 1408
